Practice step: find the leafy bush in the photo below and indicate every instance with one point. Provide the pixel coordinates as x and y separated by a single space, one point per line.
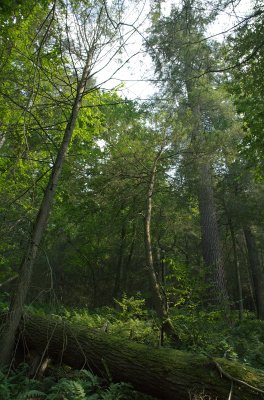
131 307
212 334
132 322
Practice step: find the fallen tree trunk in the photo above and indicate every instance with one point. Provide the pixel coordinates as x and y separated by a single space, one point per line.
163 373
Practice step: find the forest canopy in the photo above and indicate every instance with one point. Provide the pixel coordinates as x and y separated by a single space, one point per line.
142 217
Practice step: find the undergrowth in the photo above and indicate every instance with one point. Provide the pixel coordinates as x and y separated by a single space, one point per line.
201 332
207 332
77 385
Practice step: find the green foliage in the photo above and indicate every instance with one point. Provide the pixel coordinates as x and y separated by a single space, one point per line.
10 8
132 322
210 333
247 84
79 385
94 241
119 391
67 389
29 394
185 286
131 307
202 332
15 385
248 342
3 303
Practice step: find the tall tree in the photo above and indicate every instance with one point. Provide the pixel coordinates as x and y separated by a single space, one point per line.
182 55
95 30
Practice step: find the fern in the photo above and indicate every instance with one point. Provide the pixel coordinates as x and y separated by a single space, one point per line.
30 394
89 376
5 391
47 383
90 382
118 391
67 389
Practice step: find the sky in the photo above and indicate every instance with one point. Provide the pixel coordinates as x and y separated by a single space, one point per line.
135 74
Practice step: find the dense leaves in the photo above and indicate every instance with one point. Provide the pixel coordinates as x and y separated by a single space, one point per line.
247 84
206 138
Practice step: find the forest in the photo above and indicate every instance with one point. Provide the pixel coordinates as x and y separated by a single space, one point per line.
131 227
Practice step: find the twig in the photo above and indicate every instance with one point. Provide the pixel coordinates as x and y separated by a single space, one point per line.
232 379
8 281
231 391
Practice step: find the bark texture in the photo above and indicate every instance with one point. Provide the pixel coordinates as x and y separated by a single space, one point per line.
164 373
256 270
211 246
212 252
237 269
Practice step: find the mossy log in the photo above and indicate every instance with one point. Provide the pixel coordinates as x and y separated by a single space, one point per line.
164 373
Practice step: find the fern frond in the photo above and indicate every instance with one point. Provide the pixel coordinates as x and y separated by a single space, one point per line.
32 394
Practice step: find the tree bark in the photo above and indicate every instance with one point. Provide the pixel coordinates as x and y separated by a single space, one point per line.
129 257
164 373
159 303
237 269
120 263
212 252
256 269
9 330
211 246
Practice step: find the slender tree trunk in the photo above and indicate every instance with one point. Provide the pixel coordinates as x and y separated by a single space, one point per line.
249 281
9 330
212 252
158 299
120 263
2 140
129 258
256 269
237 269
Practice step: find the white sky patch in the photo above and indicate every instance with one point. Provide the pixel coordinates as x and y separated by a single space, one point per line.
138 62
137 73
228 19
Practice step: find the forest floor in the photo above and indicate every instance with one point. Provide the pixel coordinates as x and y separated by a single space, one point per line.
201 333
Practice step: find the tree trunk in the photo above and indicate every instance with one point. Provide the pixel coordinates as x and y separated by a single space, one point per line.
8 334
237 269
256 269
164 373
120 263
129 258
158 299
236 263
212 252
